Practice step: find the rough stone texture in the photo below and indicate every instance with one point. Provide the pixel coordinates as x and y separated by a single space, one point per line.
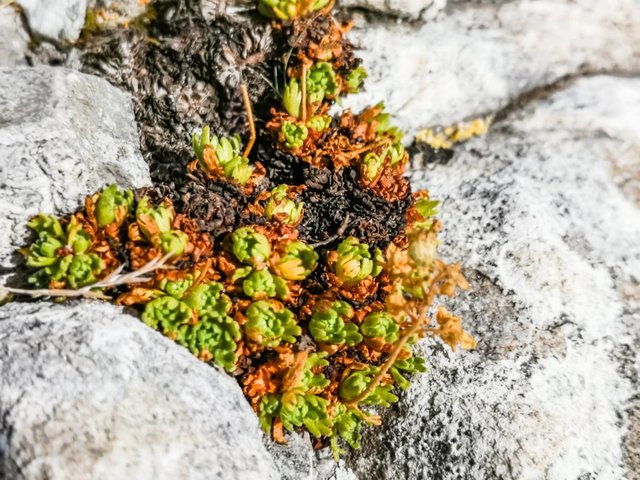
89 392
13 39
549 240
404 8
55 19
477 59
63 135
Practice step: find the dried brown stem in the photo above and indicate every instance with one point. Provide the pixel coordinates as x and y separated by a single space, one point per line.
252 124
112 280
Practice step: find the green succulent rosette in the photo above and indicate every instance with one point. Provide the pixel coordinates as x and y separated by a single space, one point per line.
261 283
269 324
322 82
113 205
292 98
289 9
380 325
353 262
358 381
294 134
280 207
297 262
355 79
61 255
249 246
329 324
227 152
410 365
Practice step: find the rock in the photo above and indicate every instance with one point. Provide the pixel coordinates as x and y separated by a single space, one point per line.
13 39
55 19
87 391
404 8
63 135
548 237
477 59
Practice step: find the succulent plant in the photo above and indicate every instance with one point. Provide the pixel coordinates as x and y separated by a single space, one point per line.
372 166
319 122
249 246
113 205
196 318
227 155
268 409
328 324
346 425
294 134
355 79
61 255
314 382
310 411
289 9
352 262
292 98
297 263
281 208
427 209
358 381
322 82
395 153
155 224
408 365
261 284
380 325
269 323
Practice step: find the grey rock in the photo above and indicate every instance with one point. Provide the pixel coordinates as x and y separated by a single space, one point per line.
87 391
403 8
477 59
55 19
548 237
13 39
63 135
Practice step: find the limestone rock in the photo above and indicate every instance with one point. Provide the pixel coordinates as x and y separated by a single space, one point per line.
13 39
476 60
63 135
548 237
403 8
55 19
87 391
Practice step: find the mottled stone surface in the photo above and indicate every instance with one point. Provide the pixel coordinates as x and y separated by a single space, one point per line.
87 391
13 38
549 240
414 9
478 58
55 19
63 135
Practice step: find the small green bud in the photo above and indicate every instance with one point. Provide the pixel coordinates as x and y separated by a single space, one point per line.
314 382
353 263
270 324
289 9
209 301
328 324
346 425
381 325
281 207
153 221
319 123
355 79
83 269
201 140
372 166
294 134
321 82
409 365
292 98
268 410
249 246
167 314
262 284
309 411
173 242
113 205
298 261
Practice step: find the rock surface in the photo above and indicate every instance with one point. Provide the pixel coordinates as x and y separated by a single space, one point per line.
13 39
548 236
477 59
89 392
414 9
55 19
63 135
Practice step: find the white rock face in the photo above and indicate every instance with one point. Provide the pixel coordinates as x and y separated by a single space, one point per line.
548 236
13 39
55 19
63 135
477 59
89 392
404 8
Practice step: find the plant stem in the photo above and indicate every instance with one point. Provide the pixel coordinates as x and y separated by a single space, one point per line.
252 125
